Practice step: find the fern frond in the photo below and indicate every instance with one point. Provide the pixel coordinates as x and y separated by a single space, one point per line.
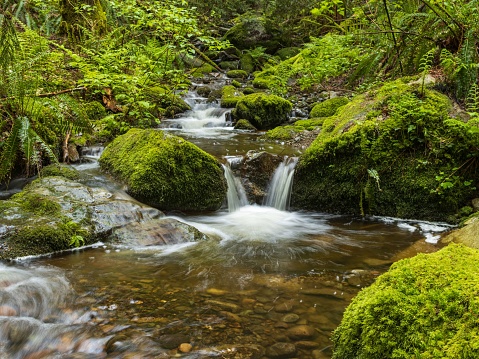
8 42
9 152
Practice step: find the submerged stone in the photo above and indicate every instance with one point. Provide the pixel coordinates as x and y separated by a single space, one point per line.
165 171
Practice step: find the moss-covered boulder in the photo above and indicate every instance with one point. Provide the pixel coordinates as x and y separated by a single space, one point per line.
467 235
328 107
395 151
165 171
244 125
230 96
252 30
262 110
423 307
237 74
54 213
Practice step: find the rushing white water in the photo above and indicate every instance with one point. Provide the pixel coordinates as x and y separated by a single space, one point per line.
235 195
279 191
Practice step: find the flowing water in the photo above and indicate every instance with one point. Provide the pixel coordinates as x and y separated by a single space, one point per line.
268 283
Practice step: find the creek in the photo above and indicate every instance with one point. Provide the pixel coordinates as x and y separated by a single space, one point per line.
270 283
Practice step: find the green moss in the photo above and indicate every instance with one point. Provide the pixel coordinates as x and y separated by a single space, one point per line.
60 170
94 110
423 307
36 204
228 65
262 83
236 84
282 133
288 52
248 90
328 107
202 70
165 171
262 110
390 152
237 74
244 125
230 96
247 63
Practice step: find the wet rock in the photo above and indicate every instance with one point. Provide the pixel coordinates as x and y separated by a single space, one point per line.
322 322
216 292
224 305
239 351
257 170
320 354
160 232
185 347
281 350
475 204
300 332
323 292
417 247
7 311
31 224
284 307
305 344
290 318
172 341
73 155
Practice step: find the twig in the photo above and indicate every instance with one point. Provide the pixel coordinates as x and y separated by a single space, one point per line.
49 94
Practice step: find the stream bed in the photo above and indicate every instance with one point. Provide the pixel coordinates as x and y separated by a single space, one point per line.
268 283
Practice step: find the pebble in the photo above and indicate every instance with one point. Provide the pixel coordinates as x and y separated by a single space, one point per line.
281 350
216 292
300 332
185 347
7 311
290 318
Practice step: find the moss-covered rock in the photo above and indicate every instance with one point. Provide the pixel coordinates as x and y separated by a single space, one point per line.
287 52
288 132
262 110
62 170
467 235
252 30
165 171
247 63
328 107
244 125
423 307
230 96
392 152
237 74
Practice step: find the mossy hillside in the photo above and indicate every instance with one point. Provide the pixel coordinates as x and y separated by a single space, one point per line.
328 107
423 307
230 96
323 58
262 110
394 152
165 171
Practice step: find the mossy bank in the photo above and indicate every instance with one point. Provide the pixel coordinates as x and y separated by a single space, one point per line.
423 307
394 151
165 171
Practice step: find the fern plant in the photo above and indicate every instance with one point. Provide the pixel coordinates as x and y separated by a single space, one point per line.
425 66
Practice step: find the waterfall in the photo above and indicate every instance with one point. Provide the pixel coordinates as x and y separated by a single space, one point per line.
236 195
279 191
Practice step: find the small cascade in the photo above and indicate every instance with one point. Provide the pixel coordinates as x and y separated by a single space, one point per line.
236 194
202 117
279 191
